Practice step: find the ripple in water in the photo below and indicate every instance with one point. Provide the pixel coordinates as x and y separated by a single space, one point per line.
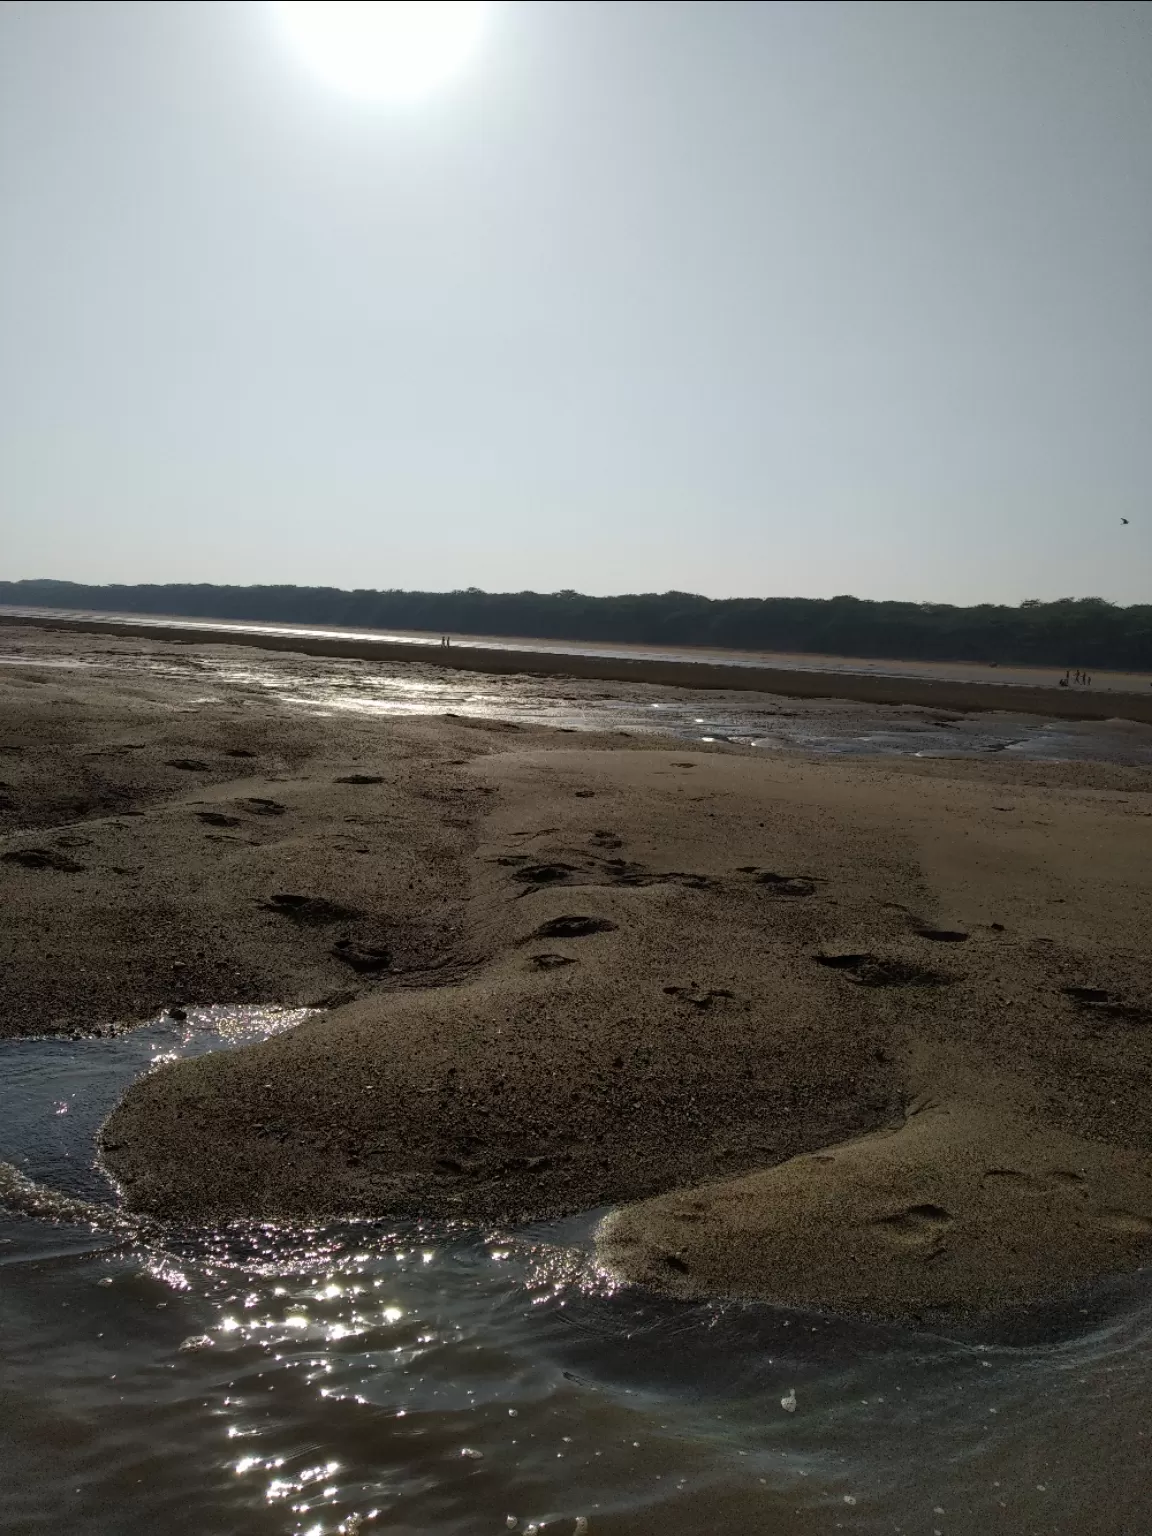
438 1379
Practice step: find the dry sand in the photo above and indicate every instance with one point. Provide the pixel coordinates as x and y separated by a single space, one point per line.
889 1023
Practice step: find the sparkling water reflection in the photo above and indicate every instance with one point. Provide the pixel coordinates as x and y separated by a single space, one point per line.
330 687
439 1379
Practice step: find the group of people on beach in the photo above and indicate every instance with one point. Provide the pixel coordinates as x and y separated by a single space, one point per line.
445 640
1076 677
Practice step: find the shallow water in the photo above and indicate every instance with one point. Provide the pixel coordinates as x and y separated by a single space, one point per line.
838 729
435 1380
329 687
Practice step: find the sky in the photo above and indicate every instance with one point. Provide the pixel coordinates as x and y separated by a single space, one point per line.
742 299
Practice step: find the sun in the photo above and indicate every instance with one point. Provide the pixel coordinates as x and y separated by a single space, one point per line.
384 48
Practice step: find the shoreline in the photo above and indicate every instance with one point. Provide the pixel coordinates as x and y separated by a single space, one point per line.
769 1010
1056 703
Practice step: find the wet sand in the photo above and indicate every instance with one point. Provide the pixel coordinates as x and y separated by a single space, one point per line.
890 1013
804 680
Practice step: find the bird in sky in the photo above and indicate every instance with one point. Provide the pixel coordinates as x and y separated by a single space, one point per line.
1123 519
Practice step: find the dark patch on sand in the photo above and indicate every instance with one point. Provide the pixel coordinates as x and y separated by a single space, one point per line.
573 927
42 858
361 956
880 971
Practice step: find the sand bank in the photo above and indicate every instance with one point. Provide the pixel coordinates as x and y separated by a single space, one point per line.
1060 703
558 977
703 965
962 1208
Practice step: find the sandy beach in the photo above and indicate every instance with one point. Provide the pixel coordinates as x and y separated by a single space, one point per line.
871 1036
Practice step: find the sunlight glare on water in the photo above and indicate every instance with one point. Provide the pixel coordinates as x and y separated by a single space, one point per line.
825 727
436 1378
765 722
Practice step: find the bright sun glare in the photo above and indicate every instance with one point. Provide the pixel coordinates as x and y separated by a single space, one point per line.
384 48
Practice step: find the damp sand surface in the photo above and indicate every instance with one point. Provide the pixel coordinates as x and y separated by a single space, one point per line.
694 968
560 970
563 974
335 688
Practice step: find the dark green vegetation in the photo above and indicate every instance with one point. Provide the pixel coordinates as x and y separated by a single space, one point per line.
1073 632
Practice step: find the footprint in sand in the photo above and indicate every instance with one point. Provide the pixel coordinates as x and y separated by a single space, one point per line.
189 764
606 840
573 927
917 1224
549 962
941 935
698 997
1125 1222
785 885
1004 1177
869 971
635 874
360 778
42 858
218 819
259 806
545 874
308 909
362 957
1095 1001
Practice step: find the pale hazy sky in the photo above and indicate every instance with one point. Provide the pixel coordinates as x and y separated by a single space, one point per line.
739 298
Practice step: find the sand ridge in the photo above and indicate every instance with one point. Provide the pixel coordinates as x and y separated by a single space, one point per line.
703 965
960 1209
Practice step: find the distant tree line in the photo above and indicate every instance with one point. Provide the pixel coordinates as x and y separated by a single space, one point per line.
1071 632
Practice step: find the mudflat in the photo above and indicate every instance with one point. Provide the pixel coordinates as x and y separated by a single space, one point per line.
872 1035
1126 698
